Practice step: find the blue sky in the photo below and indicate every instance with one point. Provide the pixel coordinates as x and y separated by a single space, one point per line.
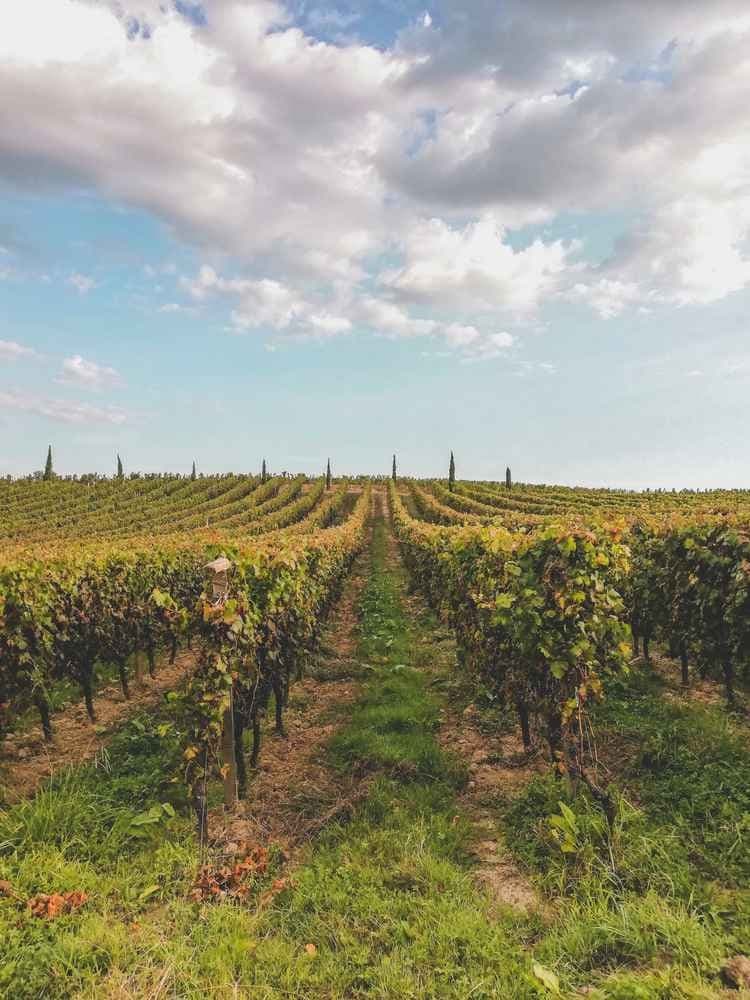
251 230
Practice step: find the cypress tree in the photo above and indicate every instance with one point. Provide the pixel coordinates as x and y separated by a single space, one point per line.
48 470
192 474
508 482
263 473
393 473
328 475
119 468
452 473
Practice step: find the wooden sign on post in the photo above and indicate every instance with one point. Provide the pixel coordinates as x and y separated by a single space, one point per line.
219 578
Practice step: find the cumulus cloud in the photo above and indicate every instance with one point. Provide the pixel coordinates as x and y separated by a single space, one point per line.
76 370
391 319
473 268
67 411
268 304
691 252
11 350
353 186
607 297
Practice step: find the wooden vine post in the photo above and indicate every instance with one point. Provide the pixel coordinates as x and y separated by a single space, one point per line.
219 581
229 765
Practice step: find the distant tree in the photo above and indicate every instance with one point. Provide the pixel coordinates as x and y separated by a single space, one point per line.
452 473
263 473
508 481
119 468
49 472
393 473
328 475
192 474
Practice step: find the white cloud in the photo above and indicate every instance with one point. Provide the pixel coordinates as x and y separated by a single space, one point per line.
82 282
392 320
689 253
268 305
474 268
78 371
607 297
66 411
461 336
475 345
302 166
11 350
487 347
263 303
329 325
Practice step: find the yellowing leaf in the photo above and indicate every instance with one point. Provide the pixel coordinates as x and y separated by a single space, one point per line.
547 977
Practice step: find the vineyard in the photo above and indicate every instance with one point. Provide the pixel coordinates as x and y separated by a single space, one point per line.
506 753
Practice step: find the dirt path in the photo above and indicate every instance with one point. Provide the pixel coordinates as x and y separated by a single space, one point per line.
703 691
28 760
498 771
294 793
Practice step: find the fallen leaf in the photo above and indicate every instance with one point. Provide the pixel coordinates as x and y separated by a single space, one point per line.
55 904
547 977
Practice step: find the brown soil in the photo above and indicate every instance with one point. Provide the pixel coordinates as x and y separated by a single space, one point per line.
28 760
498 769
294 793
706 692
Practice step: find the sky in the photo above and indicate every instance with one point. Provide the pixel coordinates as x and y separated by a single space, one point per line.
514 229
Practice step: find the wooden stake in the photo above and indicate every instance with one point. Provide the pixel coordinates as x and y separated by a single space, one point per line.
229 768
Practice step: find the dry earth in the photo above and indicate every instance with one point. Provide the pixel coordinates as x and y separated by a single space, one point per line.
28 760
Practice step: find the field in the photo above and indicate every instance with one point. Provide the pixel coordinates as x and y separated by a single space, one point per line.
278 737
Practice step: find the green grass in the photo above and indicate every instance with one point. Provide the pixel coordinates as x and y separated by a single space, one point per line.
85 830
689 771
393 725
663 898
